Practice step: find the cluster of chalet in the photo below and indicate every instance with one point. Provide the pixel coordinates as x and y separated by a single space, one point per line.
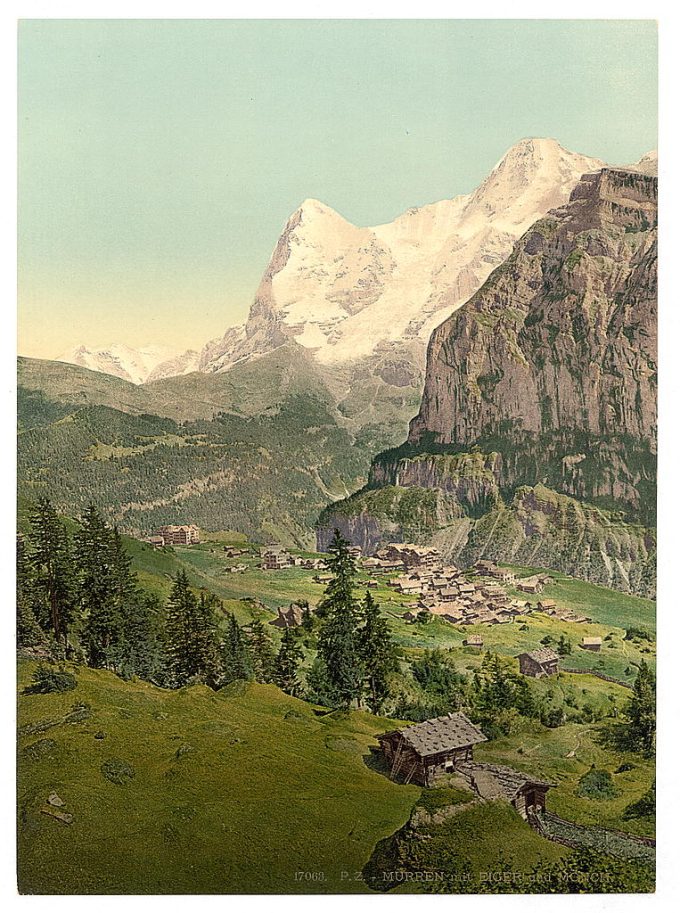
232 551
549 607
440 747
275 559
186 534
535 584
444 590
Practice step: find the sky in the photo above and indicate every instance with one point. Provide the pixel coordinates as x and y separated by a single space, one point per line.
159 160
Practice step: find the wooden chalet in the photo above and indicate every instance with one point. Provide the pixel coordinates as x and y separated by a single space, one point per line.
531 585
539 663
431 749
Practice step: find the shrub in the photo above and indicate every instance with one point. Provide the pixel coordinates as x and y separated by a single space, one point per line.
597 784
49 681
644 807
118 771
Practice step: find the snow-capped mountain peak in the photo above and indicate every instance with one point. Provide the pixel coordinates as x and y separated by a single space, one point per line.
345 292
135 365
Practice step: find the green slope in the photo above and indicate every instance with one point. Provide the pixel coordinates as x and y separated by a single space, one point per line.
232 792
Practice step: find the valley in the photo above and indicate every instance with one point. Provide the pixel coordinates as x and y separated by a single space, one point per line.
311 771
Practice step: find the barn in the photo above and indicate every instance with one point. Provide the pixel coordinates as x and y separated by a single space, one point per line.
539 663
431 749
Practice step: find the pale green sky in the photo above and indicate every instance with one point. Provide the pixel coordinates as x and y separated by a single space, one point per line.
159 160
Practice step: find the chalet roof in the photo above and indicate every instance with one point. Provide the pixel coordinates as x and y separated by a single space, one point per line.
494 780
543 655
443 733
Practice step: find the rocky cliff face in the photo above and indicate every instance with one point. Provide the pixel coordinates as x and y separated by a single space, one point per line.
553 361
540 395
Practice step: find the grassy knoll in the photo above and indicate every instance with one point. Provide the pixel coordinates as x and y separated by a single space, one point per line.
232 792
466 850
562 756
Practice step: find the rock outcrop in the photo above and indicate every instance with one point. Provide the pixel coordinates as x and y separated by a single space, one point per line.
535 442
553 361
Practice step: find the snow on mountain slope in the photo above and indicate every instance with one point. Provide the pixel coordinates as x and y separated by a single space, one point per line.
134 365
347 292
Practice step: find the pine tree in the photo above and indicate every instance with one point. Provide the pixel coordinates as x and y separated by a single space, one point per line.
29 633
237 660
641 711
143 654
338 639
262 650
378 654
50 558
192 646
288 662
179 635
101 589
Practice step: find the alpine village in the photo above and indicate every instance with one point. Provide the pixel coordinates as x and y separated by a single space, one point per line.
372 614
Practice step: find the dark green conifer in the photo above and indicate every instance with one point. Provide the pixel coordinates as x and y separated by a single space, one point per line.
378 654
288 662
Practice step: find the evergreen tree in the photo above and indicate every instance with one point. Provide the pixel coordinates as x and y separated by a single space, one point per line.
378 654
288 662
143 653
51 562
563 646
29 633
262 650
101 590
237 660
641 711
338 639
191 634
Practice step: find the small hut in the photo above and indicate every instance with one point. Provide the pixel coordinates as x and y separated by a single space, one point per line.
539 663
431 749
495 781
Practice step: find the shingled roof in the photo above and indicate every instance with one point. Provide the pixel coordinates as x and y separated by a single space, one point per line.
444 733
544 655
494 780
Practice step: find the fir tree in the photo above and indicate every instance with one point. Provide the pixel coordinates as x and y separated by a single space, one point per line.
641 711
51 561
262 650
100 589
143 654
288 662
563 646
378 654
338 639
191 634
237 660
29 633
